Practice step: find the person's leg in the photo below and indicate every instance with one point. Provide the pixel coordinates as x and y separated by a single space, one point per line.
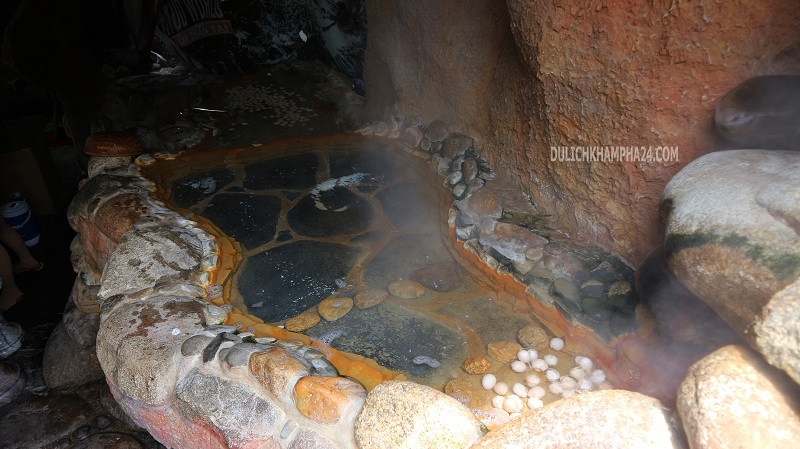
12 239
10 293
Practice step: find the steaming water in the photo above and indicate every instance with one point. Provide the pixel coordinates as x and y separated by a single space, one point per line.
330 215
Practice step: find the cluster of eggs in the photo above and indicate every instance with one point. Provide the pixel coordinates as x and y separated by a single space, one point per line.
256 98
581 378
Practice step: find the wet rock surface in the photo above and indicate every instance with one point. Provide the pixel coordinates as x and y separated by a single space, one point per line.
442 277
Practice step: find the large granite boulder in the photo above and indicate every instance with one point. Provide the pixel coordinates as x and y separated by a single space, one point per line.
104 209
155 254
776 335
733 399
137 343
608 418
733 234
401 414
679 314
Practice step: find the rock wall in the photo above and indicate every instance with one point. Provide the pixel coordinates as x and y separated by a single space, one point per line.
522 77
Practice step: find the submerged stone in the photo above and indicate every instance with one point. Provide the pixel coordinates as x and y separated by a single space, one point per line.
298 171
410 206
533 337
191 189
404 255
328 213
376 164
442 276
596 309
593 288
406 289
622 322
302 322
250 219
477 365
605 272
393 336
294 277
369 297
487 317
620 294
565 289
503 351
334 308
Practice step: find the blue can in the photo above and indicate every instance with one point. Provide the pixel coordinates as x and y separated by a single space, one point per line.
18 215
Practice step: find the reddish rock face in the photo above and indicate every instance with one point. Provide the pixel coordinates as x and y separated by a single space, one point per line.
327 399
277 371
97 246
117 215
167 426
523 76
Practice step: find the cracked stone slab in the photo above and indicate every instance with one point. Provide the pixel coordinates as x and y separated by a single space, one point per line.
329 213
394 337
